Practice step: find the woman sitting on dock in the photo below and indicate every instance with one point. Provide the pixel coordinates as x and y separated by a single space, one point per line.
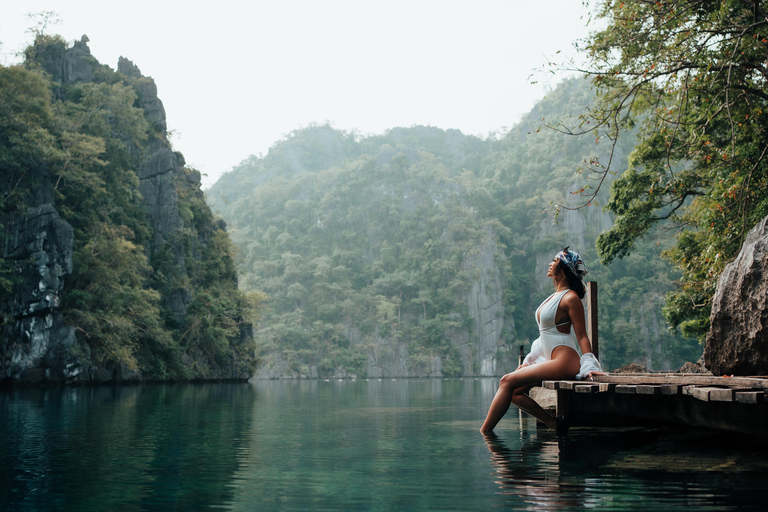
562 337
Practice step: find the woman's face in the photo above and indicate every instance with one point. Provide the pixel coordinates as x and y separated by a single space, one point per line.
553 269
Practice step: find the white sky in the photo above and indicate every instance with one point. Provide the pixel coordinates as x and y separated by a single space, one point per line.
237 76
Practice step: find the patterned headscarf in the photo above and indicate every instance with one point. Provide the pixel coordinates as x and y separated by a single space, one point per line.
573 261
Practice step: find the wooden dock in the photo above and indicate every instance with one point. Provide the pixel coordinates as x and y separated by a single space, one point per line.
734 404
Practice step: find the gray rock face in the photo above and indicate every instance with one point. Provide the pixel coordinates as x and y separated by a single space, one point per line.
159 167
75 65
37 345
486 309
737 343
147 94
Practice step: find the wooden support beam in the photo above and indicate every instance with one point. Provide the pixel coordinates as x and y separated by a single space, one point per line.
606 387
670 389
625 389
749 397
711 394
586 388
721 395
592 318
646 389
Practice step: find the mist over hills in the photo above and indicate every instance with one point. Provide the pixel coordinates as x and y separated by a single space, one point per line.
423 252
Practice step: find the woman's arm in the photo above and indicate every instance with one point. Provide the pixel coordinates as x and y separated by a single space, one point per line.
534 354
572 305
575 309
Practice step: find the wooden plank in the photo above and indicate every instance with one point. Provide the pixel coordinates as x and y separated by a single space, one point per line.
567 384
625 389
648 389
613 409
586 388
688 390
684 379
670 389
721 395
563 404
607 387
749 397
707 393
592 332
550 384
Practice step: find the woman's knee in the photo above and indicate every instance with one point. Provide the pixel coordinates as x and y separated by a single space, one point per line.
507 382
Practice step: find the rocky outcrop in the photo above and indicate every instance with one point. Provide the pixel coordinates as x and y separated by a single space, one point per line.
147 94
36 345
37 245
486 309
737 343
76 64
697 367
631 368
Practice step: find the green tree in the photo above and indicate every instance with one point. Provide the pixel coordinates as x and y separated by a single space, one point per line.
689 77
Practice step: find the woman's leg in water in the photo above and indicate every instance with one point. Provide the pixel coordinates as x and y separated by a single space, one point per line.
563 365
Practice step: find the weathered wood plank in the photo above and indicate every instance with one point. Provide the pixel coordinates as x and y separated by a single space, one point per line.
592 331
607 387
614 409
688 390
711 394
670 389
586 388
625 389
721 395
648 389
749 397
550 384
567 384
685 379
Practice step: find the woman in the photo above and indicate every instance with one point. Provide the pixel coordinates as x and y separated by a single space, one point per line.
562 336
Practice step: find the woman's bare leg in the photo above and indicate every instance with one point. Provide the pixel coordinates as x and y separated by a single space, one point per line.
529 405
562 366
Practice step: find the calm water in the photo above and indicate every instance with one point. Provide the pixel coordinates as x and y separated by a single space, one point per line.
363 445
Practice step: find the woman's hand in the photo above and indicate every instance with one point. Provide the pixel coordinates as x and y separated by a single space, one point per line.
591 374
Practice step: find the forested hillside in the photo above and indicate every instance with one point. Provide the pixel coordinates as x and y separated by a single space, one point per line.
423 252
113 267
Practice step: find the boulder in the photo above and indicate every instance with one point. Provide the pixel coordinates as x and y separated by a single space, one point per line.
737 343
697 367
631 368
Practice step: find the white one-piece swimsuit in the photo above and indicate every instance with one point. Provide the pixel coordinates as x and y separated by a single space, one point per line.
549 336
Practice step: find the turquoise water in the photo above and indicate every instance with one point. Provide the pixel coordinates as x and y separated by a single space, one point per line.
346 445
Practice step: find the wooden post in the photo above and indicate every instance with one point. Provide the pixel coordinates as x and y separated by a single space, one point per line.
521 356
592 318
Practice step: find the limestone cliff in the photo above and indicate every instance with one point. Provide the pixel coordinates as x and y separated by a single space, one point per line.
185 245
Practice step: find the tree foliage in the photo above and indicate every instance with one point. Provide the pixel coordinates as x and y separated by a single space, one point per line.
689 78
379 240
83 142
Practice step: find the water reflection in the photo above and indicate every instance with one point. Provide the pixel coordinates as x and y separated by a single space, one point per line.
364 445
532 474
122 448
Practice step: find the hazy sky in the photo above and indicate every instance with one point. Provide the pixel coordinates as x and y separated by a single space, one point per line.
237 76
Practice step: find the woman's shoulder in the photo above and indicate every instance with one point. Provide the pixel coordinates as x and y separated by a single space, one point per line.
571 298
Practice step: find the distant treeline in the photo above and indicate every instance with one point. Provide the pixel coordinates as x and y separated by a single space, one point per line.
360 242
